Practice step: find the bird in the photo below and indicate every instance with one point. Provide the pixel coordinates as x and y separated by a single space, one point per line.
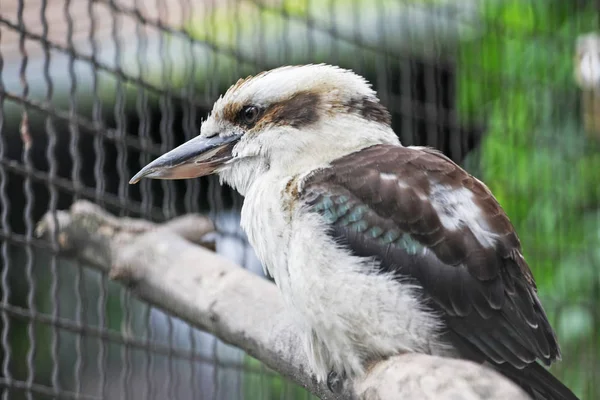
377 248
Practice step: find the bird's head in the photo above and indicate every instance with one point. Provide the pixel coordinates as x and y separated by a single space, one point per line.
286 121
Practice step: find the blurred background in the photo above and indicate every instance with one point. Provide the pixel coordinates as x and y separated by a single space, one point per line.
91 90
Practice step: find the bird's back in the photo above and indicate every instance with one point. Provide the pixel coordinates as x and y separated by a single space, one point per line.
428 222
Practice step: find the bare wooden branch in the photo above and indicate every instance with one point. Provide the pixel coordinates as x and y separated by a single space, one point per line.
162 264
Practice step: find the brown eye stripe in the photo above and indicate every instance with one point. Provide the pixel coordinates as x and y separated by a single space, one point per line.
230 112
370 109
300 110
297 111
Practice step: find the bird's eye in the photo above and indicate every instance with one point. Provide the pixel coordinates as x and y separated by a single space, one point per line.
249 114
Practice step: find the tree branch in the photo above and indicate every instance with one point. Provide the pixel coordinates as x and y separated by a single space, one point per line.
164 265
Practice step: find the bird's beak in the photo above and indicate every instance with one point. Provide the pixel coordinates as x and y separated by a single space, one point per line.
199 156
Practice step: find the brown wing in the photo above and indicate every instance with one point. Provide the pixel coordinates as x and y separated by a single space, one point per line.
393 203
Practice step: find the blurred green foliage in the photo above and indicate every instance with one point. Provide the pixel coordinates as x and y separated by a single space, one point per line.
517 79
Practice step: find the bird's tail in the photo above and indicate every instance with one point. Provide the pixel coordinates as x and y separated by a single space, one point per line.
538 382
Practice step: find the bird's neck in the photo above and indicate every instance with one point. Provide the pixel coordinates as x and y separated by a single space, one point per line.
336 140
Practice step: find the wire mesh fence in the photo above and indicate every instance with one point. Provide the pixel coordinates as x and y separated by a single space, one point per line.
91 90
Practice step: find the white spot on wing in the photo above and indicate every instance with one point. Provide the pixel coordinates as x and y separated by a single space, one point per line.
456 209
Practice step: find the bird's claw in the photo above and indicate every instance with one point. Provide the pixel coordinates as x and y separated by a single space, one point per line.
335 381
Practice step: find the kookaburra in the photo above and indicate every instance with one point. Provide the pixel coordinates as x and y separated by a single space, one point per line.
378 249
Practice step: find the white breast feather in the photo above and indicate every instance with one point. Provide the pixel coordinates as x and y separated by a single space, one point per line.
346 311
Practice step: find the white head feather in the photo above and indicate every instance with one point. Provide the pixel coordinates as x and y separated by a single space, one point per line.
282 83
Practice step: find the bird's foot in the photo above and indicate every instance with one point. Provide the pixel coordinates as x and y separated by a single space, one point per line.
335 381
